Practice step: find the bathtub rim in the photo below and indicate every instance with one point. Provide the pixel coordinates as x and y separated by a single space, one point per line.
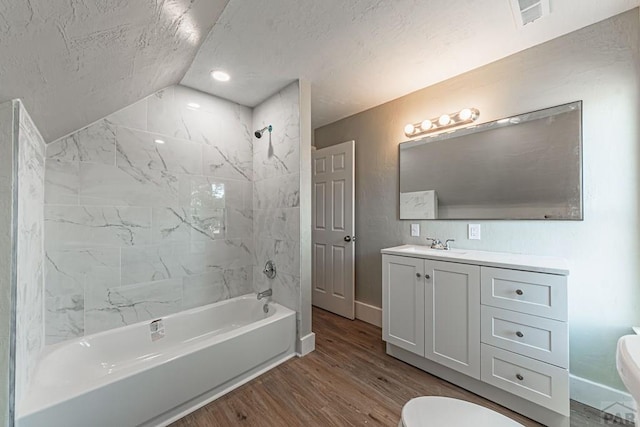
24 409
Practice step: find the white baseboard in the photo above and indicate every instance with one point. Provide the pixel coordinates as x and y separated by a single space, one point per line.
306 344
369 313
601 397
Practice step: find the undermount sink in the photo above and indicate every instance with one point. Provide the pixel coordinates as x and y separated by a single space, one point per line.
628 363
417 249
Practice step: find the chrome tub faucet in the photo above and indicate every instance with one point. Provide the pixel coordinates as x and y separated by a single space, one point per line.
265 294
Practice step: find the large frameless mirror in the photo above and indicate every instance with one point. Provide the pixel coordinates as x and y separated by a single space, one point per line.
522 167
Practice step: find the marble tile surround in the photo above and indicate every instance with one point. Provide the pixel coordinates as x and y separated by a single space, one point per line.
276 196
136 229
6 245
30 284
419 205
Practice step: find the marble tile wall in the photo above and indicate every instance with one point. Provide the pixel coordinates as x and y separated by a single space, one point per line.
276 196
30 259
6 265
136 229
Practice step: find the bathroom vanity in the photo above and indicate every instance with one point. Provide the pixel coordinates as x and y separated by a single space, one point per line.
492 323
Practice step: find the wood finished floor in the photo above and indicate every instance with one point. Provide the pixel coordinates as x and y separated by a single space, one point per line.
348 381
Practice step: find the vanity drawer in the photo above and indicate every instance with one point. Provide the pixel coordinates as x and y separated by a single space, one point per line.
536 337
540 294
536 381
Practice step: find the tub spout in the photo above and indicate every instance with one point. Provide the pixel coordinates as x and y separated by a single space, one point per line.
264 294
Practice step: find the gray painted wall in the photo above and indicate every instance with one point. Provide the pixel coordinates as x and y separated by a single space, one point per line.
599 65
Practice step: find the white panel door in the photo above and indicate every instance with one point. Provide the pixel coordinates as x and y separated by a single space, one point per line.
333 229
452 315
403 302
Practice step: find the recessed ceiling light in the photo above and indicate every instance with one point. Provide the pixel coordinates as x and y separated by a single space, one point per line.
158 141
193 105
220 76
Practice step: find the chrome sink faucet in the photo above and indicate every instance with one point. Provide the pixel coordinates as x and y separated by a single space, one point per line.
437 244
265 294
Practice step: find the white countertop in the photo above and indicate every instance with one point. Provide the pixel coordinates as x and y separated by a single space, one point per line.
542 264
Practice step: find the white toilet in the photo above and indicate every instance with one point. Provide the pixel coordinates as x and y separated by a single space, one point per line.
437 411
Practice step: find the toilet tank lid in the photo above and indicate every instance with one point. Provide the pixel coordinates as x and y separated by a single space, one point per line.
440 411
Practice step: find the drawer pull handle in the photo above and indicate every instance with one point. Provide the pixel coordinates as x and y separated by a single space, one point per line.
418 275
519 292
519 334
519 377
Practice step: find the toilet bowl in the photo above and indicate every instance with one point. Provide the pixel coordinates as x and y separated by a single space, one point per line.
437 411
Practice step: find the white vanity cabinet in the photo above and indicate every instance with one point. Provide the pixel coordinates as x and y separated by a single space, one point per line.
433 310
493 323
403 321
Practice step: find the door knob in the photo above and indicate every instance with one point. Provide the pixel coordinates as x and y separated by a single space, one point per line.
349 238
519 334
426 276
519 377
519 291
418 275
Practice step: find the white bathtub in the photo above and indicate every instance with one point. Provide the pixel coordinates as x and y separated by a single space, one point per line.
123 378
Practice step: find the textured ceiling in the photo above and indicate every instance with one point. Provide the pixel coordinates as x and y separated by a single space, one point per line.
75 61
360 53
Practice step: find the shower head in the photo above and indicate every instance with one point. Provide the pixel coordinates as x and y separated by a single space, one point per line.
259 133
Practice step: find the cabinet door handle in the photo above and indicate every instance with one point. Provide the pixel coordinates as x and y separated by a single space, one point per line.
418 275
519 334
426 276
519 291
519 377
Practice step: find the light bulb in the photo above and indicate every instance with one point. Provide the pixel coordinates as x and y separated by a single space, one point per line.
220 76
444 120
426 125
465 114
193 105
158 141
408 129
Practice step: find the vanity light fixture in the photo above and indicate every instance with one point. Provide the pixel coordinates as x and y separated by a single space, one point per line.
466 115
409 129
444 120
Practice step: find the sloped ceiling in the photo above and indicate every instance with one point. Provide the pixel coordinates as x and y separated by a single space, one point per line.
360 53
75 61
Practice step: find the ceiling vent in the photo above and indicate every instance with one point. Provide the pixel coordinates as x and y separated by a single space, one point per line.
527 11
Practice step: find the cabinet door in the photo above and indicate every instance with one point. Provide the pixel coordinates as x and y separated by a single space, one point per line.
452 315
403 302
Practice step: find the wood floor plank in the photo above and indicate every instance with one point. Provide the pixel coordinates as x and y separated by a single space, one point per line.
348 381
